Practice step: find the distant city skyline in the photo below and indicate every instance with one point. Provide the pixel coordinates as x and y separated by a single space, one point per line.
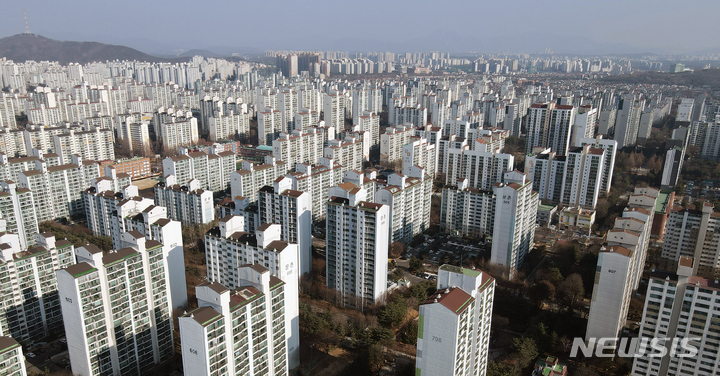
572 27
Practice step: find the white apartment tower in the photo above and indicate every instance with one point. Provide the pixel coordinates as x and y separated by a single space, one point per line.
392 141
30 305
680 306
691 233
116 308
290 209
228 248
57 189
514 227
250 178
334 104
467 211
17 209
454 324
610 147
178 131
347 153
188 204
299 146
620 266
212 171
139 214
357 247
95 145
269 125
13 361
408 198
317 180
240 331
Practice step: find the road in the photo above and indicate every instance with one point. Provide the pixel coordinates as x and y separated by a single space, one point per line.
403 266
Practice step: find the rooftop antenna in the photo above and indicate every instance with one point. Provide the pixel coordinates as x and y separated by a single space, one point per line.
27 28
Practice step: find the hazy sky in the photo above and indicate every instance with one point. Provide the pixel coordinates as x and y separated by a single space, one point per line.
579 26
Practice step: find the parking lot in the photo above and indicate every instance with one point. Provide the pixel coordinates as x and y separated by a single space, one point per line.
52 356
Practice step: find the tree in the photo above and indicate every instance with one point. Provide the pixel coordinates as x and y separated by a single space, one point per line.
525 348
553 275
416 265
393 313
408 333
570 290
541 292
500 369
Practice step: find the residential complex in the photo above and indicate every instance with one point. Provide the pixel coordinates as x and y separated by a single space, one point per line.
228 247
290 209
620 266
212 171
240 331
679 306
514 226
12 361
357 234
454 324
188 204
116 308
30 304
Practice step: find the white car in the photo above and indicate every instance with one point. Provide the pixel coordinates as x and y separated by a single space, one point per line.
31 355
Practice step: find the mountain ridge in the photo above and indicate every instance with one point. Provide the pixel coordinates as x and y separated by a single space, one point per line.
22 47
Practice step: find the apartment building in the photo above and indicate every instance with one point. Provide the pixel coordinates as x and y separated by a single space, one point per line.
299 146
30 304
212 171
96 145
224 126
290 209
690 232
610 147
347 153
408 198
481 167
357 234
679 306
620 266
116 308
240 331
101 200
177 131
574 180
419 152
246 181
334 104
454 324
188 204
12 142
269 125
467 211
18 212
140 214
317 180
392 141
12 361
514 227
57 189
228 248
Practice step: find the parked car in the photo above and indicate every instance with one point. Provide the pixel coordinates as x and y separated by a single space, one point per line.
31 355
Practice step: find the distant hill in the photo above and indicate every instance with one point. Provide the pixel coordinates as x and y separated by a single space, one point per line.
23 47
203 53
